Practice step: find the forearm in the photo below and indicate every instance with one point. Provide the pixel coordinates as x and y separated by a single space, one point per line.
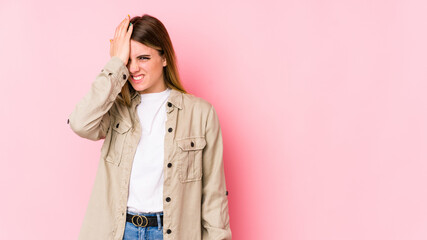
90 118
215 218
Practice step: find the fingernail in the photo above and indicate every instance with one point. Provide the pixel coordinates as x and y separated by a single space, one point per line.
128 16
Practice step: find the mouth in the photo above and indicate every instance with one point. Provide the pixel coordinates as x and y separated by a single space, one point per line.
137 78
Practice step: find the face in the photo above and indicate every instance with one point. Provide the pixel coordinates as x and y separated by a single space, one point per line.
145 66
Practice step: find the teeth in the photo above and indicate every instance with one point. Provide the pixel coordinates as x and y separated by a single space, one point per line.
137 78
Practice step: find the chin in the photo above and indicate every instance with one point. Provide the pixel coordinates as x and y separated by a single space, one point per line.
137 88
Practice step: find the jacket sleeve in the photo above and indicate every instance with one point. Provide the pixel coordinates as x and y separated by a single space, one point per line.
91 117
215 218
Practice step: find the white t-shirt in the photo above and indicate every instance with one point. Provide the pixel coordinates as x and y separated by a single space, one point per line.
146 181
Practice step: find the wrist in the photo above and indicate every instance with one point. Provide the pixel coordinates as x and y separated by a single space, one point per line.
121 59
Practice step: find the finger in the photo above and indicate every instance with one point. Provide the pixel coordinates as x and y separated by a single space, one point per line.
129 32
122 30
116 33
124 26
118 29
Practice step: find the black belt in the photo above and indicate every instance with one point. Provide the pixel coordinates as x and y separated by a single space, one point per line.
143 221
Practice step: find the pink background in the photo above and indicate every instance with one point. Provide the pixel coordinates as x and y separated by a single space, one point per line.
322 105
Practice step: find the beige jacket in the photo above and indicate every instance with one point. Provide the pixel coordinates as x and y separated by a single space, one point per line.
194 179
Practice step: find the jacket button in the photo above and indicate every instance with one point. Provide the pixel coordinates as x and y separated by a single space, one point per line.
168 199
117 125
68 121
169 104
170 130
124 76
169 165
168 231
192 144
226 193
110 74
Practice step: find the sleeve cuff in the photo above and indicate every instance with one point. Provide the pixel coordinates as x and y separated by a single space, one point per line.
114 65
116 69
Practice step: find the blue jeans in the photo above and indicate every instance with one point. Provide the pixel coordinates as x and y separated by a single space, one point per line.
133 232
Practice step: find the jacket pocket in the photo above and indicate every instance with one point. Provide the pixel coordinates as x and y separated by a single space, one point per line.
117 138
190 158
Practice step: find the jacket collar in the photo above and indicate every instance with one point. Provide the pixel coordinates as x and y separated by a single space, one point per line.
175 97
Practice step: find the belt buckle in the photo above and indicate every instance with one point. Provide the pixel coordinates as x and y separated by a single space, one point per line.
140 219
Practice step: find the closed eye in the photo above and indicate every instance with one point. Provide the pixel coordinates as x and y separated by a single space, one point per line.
141 57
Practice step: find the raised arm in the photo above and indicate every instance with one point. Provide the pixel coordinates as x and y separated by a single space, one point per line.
91 117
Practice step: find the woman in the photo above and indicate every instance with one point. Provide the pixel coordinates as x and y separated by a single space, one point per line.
160 173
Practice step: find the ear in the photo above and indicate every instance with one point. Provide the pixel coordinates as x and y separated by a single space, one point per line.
164 62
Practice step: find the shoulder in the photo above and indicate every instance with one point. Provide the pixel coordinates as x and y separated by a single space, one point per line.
194 102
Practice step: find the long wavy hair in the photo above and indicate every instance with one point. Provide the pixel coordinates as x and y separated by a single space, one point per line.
149 31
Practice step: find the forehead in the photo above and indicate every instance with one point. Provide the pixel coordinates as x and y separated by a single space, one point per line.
137 48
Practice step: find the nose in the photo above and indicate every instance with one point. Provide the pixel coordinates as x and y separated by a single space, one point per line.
133 67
